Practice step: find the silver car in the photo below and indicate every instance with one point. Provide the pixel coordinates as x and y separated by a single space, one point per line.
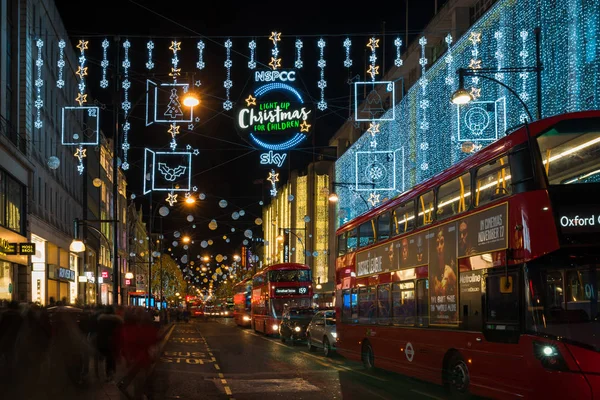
321 332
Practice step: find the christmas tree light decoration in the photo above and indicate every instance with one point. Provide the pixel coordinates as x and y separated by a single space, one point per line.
104 64
322 104
299 63
524 54
126 104
82 71
174 107
39 82
60 82
171 198
227 104
200 64
150 47
449 59
252 47
158 106
398 61
347 45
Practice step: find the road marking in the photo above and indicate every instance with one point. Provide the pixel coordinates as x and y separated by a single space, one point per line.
426 394
221 376
227 390
272 385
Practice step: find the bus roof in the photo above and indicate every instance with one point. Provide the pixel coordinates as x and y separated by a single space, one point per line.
283 267
489 152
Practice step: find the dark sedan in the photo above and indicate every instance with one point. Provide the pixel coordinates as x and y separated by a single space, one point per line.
294 323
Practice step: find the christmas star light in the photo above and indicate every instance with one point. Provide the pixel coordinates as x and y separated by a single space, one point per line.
373 70
81 71
373 128
475 92
80 154
175 72
171 198
475 37
275 63
83 45
475 64
250 101
373 43
81 98
275 37
304 126
174 130
175 46
273 177
373 199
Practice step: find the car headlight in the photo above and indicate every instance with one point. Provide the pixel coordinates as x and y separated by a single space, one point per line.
334 335
297 329
246 318
275 327
226 313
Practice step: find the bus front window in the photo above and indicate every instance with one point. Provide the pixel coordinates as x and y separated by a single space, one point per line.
564 303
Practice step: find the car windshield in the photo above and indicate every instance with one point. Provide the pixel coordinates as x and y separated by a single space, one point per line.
278 305
564 303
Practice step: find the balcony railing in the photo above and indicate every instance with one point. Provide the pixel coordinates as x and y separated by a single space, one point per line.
18 139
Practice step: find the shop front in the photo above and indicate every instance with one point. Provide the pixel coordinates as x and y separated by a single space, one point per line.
60 281
14 254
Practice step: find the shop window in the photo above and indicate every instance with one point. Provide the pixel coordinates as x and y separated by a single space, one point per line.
454 197
493 181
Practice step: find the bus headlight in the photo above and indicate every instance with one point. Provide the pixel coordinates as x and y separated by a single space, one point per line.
275 327
226 313
297 329
246 318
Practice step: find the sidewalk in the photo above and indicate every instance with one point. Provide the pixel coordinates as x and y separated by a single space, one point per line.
102 390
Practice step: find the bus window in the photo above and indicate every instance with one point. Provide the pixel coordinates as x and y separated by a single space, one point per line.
425 207
454 197
299 275
351 241
403 303
383 304
341 244
404 218
367 309
492 181
354 305
383 226
423 302
346 306
366 234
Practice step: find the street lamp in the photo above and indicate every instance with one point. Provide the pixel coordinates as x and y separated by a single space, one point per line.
333 196
461 96
191 99
185 239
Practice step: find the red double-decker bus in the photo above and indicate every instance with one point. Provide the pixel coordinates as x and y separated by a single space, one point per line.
486 277
275 286
242 296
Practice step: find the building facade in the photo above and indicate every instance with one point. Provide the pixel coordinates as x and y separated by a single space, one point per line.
138 250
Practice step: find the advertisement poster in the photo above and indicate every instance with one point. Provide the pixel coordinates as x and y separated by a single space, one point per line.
483 232
443 274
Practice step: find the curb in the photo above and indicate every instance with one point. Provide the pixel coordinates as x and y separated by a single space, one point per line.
130 376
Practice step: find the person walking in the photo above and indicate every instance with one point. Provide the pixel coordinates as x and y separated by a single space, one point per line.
108 332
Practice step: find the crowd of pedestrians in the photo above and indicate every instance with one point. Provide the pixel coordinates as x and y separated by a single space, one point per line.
61 351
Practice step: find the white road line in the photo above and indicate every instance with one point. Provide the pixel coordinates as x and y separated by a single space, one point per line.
426 394
271 386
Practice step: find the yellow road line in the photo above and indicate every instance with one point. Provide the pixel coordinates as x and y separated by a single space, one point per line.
227 390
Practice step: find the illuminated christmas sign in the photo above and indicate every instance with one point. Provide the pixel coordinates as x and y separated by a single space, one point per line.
274 116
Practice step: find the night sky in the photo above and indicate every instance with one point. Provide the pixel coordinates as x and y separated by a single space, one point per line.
226 167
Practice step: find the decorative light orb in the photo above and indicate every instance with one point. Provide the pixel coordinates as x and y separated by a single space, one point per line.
176 234
155 254
315 254
210 242
306 219
260 203
248 233
97 182
53 162
132 196
203 244
291 197
235 215
184 259
219 258
232 229
245 242
258 221
185 247
225 258
141 241
212 225
194 226
190 218
174 243
132 254
223 203
224 237
163 211
242 213
202 196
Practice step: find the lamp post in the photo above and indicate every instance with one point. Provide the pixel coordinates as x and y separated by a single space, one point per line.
462 96
290 230
334 198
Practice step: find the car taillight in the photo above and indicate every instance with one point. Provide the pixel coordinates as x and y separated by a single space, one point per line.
549 356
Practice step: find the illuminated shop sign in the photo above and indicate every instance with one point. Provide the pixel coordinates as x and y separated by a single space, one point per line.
274 117
64 273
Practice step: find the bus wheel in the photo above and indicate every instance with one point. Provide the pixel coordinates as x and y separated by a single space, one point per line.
368 357
309 343
457 377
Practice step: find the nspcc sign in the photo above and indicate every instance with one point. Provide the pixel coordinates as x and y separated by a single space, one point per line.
274 116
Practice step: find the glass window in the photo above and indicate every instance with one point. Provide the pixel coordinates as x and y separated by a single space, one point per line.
351 240
367 309
290 276
423 302
341 246
403 303
367 233
493 181
502 299
346 306
454 197
425 207
404 218
571 152
383 304
383 226
354 305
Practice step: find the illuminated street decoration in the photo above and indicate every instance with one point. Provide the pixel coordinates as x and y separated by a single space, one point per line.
150 48
398 60
378 170
322 84
371 108
87 134
273 178
163 104
126 104
81 72
60 63
167 171
104 64
39 82
299 63
171 198
252 47
275 59
475 62
423 107
227 104
524 54
200 64
348 60
481 121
